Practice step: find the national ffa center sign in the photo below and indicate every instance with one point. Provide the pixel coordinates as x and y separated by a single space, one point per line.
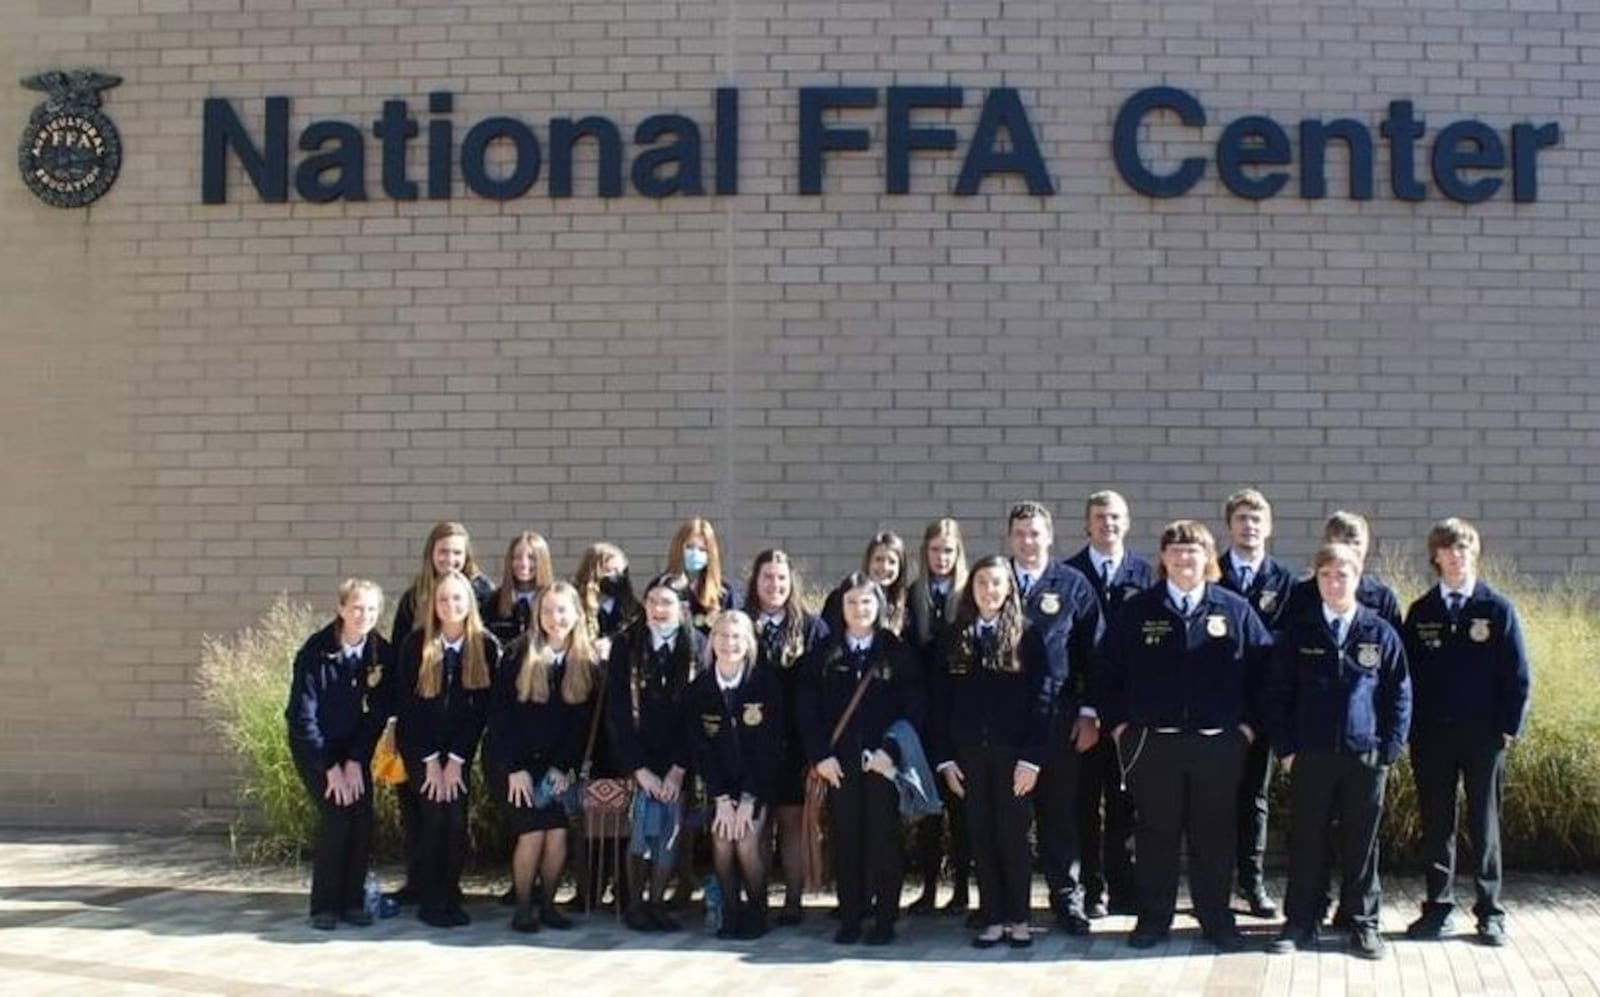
1469 160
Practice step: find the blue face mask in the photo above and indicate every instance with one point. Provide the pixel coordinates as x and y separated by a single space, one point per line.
695 559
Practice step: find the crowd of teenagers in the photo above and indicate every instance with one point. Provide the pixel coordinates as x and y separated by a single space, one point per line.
1124 711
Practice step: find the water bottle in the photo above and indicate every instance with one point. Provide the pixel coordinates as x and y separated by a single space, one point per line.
371 896
713 901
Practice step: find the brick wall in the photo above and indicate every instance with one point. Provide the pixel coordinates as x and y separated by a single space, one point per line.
206 405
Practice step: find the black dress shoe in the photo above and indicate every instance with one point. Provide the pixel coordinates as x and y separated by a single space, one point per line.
637 918
458 918
1294 938
958 902
1144 937
525 922
435 918
1224 939
1259 903
1020 937
752 927
848 934
1073 922
882 933
791 915
324 921
357 916
989 937
663 920
404 896
552 918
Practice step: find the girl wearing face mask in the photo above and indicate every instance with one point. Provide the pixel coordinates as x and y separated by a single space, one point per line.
785 632
930 603
606 592
850 750
609 607
447 549
884 561
735 712
540 716
989 731
695 554
442 702
527 572
652 663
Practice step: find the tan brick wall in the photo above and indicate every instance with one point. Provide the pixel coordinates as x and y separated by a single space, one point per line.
201 406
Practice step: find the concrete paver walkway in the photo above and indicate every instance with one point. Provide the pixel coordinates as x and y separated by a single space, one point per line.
137 914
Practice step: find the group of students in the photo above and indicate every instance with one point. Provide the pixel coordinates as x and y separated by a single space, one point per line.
996 682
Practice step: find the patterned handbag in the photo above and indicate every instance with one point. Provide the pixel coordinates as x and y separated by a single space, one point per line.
605 801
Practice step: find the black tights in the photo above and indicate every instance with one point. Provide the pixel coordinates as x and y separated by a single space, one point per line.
742 863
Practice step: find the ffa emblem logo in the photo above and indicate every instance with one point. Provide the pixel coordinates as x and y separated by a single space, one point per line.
1367 655
1050 603
374 676
70 152
1268 600
752 715
1216 626
1479 631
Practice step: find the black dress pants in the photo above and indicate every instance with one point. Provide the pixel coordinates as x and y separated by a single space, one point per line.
1184 786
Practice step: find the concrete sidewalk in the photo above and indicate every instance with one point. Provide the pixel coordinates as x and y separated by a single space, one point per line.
140 914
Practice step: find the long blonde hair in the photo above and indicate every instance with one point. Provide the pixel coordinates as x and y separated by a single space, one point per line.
578 678
474 660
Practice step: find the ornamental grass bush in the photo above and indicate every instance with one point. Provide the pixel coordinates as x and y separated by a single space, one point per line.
244 683
1551 818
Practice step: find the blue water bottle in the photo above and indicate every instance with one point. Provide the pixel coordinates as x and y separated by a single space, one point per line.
371 896
713 901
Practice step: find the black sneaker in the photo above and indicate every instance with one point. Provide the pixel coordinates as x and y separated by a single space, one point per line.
1366 943
1492 932
1434 924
